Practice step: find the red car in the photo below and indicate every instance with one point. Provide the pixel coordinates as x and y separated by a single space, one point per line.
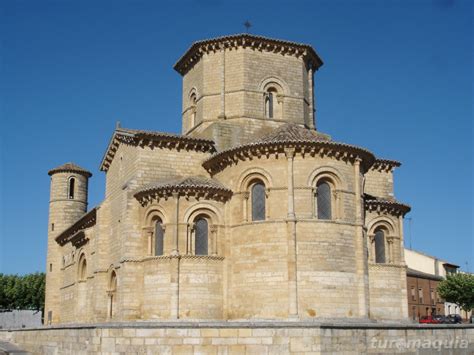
429 320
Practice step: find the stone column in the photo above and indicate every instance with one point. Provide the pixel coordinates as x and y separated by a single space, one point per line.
189 235
292 252
360 245
175 250
213 230
174 286
245 201
390 249
372 247
149 235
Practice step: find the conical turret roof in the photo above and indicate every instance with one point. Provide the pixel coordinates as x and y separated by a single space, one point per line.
70 167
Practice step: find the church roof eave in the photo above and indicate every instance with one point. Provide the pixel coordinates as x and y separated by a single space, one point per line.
221 160
152 138
390 206
385 165
72 232
197 49
195 185
70 167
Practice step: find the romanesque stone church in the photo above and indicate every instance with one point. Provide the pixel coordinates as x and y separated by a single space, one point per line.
249 213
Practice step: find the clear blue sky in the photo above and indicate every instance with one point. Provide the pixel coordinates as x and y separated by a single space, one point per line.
397 80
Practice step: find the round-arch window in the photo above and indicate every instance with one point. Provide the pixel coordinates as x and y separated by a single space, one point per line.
323 200
201 236
379 246
258 201
71 187
159 237
83 269
270 102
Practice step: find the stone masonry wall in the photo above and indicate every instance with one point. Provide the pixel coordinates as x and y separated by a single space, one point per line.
245 338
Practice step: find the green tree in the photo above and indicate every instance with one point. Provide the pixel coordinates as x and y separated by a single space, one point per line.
22 292
459 289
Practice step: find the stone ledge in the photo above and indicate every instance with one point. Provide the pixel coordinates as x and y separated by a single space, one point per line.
181 324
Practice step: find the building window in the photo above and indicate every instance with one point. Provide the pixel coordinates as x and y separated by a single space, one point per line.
420 295
201 236
269 103
323 200
413 297
50 267
82 269
52 226
379 246
159 237
433 299
71 186
112 293
193 101
414 312
258 201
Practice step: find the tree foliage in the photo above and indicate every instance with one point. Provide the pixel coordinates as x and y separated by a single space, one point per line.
22 292
459 289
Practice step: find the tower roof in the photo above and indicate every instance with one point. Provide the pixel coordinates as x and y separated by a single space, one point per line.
197 49
70 167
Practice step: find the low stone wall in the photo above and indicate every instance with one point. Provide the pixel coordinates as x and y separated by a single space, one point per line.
244 338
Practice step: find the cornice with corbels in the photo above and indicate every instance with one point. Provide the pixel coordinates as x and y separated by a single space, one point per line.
338 151
153 140
393 208
205 193
385 165
263 44
72 235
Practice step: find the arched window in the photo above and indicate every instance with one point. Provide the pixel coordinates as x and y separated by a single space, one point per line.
258 201
270 97
71 186
379 246
323 200
201 236
111 292
159 237
193 101
82 269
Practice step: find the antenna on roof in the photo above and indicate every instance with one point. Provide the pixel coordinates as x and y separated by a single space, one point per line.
247 25
117 125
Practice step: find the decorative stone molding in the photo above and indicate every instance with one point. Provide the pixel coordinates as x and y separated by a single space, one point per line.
263 44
